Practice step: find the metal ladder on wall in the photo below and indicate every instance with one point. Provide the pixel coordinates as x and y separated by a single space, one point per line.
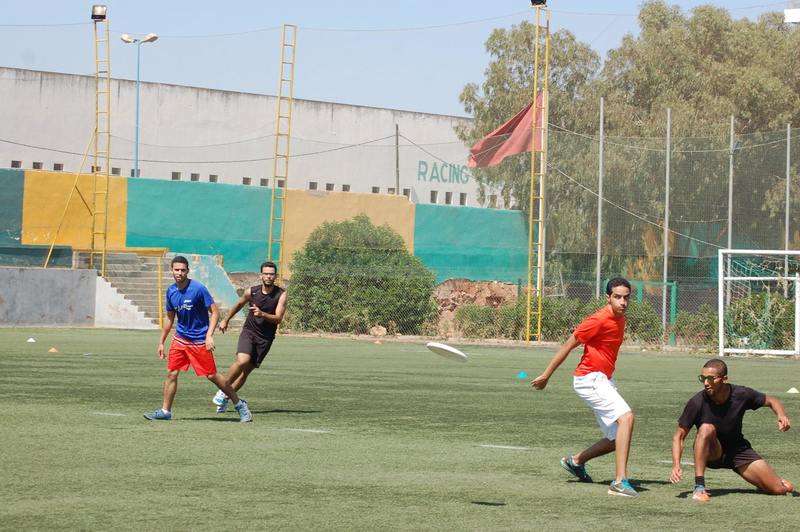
102 145
536 205
283 133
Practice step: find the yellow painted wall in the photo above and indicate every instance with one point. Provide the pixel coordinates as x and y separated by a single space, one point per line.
305 210
45 195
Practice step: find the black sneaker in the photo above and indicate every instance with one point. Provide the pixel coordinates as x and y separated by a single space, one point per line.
578 471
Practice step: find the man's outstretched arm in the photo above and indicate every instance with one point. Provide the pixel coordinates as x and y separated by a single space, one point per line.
541 381
780 411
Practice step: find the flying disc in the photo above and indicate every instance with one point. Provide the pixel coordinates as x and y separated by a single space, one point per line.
446 351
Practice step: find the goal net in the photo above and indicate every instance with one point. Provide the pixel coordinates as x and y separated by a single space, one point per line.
758 307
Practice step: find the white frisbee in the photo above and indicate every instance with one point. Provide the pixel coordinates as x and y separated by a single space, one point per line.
446 351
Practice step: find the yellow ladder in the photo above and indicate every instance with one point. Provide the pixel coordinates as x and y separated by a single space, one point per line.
536 205
283 134
102 144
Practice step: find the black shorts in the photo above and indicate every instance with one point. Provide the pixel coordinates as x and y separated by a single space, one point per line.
737 457
254 345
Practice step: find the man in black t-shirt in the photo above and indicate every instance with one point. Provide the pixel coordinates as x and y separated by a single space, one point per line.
717 412
267 302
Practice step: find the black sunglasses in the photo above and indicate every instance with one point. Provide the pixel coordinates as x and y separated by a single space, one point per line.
708 378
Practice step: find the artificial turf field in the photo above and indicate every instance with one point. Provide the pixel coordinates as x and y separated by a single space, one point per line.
353 435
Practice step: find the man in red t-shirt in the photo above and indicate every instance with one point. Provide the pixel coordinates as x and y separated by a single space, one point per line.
601 335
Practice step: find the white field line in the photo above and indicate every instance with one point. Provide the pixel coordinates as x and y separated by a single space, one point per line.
314 431
683 462
114 414
511 447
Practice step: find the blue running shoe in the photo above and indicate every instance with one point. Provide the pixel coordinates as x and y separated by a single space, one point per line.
244 412
578 471
159 414
219 398
623 488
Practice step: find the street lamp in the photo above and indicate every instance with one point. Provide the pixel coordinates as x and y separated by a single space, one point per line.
150 37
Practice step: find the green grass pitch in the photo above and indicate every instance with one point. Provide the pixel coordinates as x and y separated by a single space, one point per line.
357 436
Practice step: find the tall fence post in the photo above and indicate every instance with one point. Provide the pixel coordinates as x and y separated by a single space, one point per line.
600 170
666 228
786 219
731 149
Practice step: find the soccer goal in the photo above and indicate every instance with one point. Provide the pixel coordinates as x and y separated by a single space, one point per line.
758 307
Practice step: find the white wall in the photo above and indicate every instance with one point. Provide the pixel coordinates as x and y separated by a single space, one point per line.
185 128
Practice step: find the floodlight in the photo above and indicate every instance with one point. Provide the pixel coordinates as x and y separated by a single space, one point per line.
127 38
99 12
538 2
791 16
150 37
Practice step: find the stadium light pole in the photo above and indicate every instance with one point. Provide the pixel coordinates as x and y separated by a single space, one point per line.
150 37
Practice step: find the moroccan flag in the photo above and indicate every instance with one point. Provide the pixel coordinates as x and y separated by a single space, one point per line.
511 138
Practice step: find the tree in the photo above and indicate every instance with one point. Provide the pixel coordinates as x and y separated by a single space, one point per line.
352 275
705 66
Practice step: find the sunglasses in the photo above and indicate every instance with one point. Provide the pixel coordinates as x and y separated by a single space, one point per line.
707 378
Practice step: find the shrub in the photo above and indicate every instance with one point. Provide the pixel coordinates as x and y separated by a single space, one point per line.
352 275
697 328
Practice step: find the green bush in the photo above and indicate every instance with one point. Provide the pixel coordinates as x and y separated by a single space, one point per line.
763 320
697 328
476 321
353 275
560 316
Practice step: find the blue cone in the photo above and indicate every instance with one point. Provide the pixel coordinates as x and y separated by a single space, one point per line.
522 375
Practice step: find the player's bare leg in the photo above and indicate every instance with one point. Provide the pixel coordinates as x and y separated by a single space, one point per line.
707 448
222 384
761 475
170 389
239 371
599 448
623 444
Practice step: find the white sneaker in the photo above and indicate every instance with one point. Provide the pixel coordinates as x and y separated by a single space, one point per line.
219 398
222 408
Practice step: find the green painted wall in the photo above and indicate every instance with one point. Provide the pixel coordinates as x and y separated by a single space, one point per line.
12 251
472 243
202 218
12 183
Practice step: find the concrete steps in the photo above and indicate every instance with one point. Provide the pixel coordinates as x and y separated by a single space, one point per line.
135 277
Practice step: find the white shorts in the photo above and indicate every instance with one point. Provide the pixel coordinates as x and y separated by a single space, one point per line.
601 394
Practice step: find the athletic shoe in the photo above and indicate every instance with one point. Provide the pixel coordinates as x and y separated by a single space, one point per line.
623 488
158 415
578 471
219 398
223 406
700 494
244 412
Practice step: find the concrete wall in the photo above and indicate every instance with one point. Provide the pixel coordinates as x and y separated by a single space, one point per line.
46 195
49 297
229 134
307 210
475 244
201 218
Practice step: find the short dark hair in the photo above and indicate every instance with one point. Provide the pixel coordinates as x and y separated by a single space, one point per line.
268 264
615 282
179 259
719 365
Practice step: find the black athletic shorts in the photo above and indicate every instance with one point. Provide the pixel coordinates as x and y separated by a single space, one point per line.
734 458
255 346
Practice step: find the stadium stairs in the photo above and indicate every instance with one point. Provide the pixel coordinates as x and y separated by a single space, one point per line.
136 278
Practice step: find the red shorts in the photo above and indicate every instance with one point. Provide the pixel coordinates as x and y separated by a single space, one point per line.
183 354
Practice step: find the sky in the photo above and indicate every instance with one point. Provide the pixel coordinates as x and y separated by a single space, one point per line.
414 55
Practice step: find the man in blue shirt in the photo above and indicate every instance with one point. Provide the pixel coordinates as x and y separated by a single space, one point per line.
193 342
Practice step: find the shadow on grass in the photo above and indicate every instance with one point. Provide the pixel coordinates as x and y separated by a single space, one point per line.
223 419
728 491
488 503
282 411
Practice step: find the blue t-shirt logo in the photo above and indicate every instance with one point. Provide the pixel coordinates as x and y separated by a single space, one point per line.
191 306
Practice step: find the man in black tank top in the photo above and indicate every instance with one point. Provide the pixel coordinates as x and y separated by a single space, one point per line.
267 303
